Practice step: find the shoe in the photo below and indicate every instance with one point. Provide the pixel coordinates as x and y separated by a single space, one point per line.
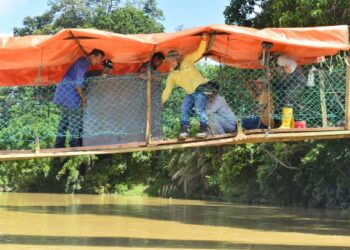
203 133
287 118
185 133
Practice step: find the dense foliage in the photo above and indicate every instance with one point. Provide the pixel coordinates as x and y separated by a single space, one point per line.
287 13
302 173
116 16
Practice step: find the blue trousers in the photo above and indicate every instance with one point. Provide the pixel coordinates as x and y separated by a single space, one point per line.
252 122
198 101
71 120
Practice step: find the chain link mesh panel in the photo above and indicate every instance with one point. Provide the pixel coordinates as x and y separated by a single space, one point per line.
316 95
116 106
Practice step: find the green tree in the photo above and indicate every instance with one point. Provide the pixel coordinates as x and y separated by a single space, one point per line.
252 13
287 13
116 16
303 13
127 20
242 12
35 25
150 8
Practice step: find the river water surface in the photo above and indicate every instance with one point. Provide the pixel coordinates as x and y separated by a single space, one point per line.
55 221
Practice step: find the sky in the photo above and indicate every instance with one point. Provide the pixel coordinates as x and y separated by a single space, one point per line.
189 13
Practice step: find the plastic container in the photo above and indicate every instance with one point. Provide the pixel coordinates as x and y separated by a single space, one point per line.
300 124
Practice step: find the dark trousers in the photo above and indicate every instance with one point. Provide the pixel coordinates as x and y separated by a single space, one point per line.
71 120
252 122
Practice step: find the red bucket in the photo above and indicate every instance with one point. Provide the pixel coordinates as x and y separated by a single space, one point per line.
300 124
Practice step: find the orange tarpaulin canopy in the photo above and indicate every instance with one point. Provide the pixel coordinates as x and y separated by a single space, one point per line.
40 60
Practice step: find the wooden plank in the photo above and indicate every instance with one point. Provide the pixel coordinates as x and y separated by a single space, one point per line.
347 95
323 99
296 130
114 149
96 148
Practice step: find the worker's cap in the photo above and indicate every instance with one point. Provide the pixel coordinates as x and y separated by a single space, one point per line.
284 60
214 84
209 87
107 63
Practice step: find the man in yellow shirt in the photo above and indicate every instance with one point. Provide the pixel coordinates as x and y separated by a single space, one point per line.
190 79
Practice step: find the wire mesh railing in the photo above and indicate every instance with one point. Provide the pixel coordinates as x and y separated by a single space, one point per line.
116 107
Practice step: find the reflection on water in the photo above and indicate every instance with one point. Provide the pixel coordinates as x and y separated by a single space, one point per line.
44 221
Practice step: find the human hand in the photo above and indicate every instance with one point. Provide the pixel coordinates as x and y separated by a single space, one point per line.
204 35
142 76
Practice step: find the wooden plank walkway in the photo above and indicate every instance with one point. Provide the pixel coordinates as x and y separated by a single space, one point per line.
252 136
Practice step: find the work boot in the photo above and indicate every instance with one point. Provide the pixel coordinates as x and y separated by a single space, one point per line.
287 118
203 133
185 129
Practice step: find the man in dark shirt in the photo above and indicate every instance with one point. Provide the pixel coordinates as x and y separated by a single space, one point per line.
69 96
156 62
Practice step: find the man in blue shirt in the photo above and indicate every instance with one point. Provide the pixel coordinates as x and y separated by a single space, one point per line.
69 96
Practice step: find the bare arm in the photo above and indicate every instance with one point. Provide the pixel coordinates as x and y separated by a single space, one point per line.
144 74
170 82
195 56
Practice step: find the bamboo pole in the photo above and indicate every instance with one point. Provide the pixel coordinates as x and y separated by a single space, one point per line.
266 46
323 100
347 95
79 45
38 82
149 100
211 41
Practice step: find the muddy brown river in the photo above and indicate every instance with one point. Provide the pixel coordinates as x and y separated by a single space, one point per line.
62 222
